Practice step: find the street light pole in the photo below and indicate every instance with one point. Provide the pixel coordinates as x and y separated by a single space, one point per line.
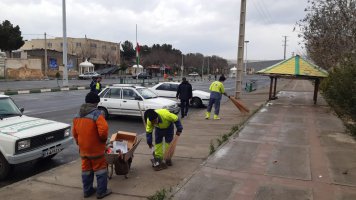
65 71
246 58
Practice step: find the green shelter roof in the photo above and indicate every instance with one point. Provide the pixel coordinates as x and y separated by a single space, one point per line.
294 66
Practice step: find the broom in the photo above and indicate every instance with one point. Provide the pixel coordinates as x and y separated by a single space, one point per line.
168 154
239 105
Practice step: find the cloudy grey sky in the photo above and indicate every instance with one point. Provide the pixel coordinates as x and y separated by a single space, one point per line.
207 27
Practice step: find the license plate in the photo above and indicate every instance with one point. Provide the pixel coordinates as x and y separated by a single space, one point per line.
51 151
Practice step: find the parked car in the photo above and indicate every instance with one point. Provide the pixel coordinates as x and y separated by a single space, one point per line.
142 75
24 138
169 90
193 74
88 75
123 99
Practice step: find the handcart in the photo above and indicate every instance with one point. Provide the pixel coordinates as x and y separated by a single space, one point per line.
119 162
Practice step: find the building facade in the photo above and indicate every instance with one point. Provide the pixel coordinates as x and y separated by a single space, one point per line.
100 53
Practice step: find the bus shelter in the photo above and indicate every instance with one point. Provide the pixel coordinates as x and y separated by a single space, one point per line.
295 67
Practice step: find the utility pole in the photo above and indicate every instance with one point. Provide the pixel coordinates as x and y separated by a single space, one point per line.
202 69
208 66
285 47
246 58
45 58
240 50
181 69
65 71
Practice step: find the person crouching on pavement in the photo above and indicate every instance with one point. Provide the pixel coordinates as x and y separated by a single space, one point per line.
162 120
184 93
90 131
216 90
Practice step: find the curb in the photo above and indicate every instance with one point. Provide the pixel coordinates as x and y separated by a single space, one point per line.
15 92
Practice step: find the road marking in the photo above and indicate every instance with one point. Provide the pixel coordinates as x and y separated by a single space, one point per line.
23 92
45 90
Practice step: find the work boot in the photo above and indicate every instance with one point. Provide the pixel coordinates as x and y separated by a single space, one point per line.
159 165
207 115
107 193
216 117
91 192
169 162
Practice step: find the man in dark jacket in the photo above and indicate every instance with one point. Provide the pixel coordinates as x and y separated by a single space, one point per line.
185 94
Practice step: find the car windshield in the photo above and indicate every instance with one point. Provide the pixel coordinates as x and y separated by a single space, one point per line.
146 93
8 108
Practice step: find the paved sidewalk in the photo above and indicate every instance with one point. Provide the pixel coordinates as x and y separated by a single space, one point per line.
290 149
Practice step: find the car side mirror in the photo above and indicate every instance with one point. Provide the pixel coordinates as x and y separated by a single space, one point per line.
22 110
138 98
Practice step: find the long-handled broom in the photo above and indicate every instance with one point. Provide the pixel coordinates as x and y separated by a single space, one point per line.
239 105
168 154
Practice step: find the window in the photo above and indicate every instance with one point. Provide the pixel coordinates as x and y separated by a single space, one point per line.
78 44
114 93
128 94
174 87
49 45
104 47
92 45
164 86
113 48
61 44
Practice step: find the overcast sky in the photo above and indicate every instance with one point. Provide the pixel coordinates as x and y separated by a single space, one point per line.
192 26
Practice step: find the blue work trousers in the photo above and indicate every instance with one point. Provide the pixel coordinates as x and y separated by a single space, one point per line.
216 103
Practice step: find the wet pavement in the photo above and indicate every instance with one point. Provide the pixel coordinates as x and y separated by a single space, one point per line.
290 149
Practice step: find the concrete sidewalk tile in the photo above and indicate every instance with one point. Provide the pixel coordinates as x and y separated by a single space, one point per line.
208 187
234 156
277 192
290 162
342 166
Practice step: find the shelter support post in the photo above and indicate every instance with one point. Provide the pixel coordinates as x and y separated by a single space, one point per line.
316 88
270 88
275 88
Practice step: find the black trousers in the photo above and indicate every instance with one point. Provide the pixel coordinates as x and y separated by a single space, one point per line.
184 106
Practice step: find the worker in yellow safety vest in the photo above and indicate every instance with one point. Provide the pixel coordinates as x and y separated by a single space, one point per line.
98 86
216 90
162 121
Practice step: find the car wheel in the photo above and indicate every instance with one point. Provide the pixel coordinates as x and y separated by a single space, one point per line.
104 112
4 167
196 102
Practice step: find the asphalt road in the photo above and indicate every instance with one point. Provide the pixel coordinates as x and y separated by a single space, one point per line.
62 106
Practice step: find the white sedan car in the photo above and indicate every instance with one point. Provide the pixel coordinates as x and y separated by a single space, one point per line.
169 90
123 99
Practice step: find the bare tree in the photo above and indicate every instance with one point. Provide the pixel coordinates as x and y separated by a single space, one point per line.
329 31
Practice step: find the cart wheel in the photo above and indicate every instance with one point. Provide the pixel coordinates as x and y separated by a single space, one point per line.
110 169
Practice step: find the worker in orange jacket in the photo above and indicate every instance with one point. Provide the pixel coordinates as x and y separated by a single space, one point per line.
90 131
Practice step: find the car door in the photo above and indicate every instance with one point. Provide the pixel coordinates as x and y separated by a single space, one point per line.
165 90
111 100
129 104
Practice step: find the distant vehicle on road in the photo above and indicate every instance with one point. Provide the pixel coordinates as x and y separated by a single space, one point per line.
123 99
142 75
169 90
193 74
24 138
88 75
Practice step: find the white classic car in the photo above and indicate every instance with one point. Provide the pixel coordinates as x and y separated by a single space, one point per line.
24 138
169 90
124 99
